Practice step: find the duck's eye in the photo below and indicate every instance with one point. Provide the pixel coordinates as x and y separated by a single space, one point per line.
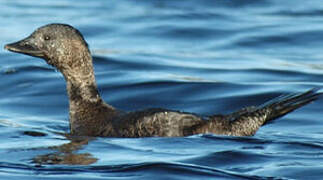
47 38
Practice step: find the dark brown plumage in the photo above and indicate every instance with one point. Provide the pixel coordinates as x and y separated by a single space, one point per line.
63 47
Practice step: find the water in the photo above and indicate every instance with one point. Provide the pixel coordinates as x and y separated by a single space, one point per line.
199 56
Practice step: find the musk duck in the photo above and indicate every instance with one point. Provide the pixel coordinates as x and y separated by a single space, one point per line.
64 47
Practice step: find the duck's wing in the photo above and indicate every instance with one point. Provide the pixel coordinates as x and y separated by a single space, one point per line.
157 122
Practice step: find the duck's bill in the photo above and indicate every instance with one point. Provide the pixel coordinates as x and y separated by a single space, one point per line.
25 47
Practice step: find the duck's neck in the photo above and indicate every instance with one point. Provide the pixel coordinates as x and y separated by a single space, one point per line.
88 112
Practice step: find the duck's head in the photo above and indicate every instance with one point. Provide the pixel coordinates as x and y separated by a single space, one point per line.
60 45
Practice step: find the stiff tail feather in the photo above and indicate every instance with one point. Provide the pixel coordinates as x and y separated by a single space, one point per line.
285 104
247 121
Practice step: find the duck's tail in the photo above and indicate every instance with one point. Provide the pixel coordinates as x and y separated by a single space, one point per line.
287 103
247 121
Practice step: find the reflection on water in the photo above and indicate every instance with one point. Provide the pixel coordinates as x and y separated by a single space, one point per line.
199 56
67 154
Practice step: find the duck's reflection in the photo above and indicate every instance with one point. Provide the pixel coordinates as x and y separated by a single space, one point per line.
67 153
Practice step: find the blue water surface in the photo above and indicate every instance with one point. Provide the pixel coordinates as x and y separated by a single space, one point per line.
201 56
